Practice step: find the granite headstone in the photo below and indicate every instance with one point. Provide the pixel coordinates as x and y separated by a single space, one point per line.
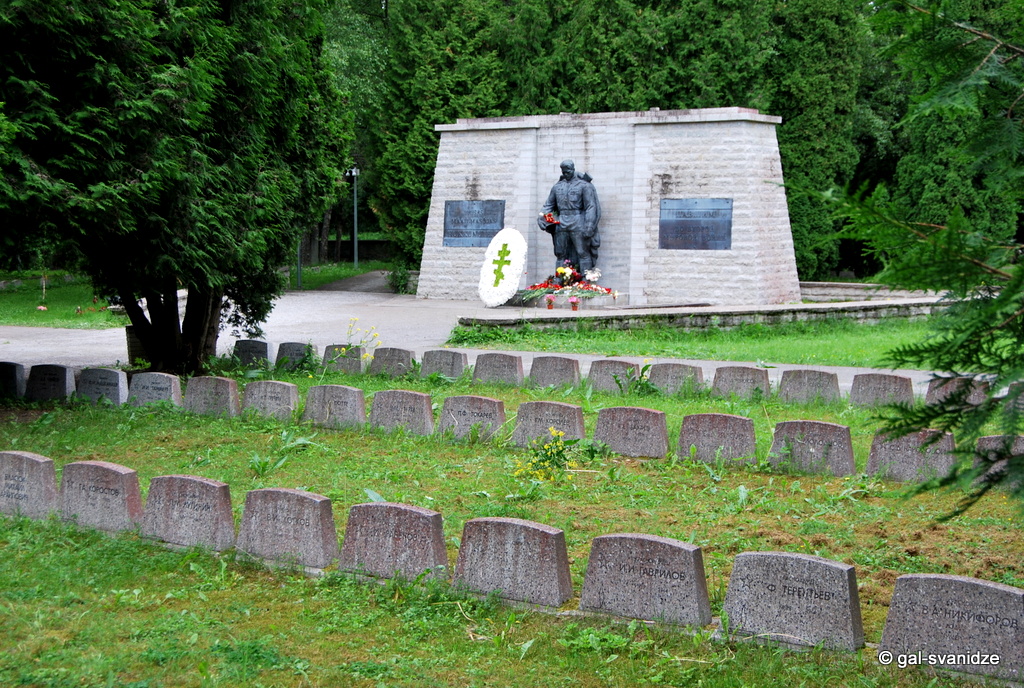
12 380
535 418
807 386
386 540
189 511
874 389
917 457
743 382
391 361
212 396
151 388
103 383
289 527
673 378
335 406
252 352
941 388
291 354
400 408
29 485
444 362
49 382
715 436
272 398
505 369
100 495
813 446
611 375
633 431
345 359
554 371
461 413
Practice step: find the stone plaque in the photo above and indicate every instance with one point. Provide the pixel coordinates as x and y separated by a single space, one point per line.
633 431
956 619
535 418
100 495
289 527
522 560
807 386
29 485
700 224
345 359
401 408
189 511
554 371
646 577
49 382
715 436
391 362
103 383
812 446
387 540
673 378
444 362
252 351
335 406
12 380
461 413
795 598
212 396
873 389
272 398
742 381
908 459
472 223
149 388
505 369
602 375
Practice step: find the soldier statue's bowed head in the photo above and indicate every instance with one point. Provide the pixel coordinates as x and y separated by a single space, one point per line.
571 215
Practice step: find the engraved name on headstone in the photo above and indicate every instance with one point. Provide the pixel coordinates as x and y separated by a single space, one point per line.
956 619
289 527
673 378
610 375
554 371
535 418
444 362
521 560
252 351
212 396
699 224
798 599
461 413
49 382
633 431
742 381
29 485
12 380
506 369
812 446
272 398
391 361
873 389
472 223
150 388
917 457
335 406
345 359
103 383
807 386
100 495
386 540
189 511
711 437
646 577
401 408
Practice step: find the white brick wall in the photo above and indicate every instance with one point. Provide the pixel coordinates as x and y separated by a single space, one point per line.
636 159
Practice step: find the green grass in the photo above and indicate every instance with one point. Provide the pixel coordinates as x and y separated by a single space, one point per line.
315 276
838 342
83 609
68 304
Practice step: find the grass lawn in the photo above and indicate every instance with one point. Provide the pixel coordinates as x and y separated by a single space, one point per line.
83 609
315 276
67 303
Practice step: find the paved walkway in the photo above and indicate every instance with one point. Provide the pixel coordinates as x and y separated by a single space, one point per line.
323 318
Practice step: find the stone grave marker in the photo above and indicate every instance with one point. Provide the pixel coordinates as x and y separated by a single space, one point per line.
908 459
288 526
742 381
673 378
212 396
151 388
941 388
103 383
942 615
189 511
290 355
401 408
522 560
29 485
602 374
345 359
646 577
989 445
505 369
554 371
444 362
335 406
101 495
272 398
12 380
717 436
391 362
535 418
387 540
633 431
874 389
461 413
807 386
48 382
252 352
813 446
798 599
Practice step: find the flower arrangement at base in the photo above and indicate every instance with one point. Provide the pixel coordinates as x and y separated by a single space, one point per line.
567 281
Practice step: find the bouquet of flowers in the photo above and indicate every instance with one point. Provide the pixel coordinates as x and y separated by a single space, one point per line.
567 281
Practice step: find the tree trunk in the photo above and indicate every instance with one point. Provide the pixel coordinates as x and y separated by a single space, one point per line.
325 235
201 328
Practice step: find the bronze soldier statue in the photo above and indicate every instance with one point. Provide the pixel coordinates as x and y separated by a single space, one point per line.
571 215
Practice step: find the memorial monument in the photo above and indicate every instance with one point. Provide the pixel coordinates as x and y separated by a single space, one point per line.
692 208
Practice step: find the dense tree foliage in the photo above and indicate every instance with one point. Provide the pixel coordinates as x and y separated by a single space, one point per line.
172 146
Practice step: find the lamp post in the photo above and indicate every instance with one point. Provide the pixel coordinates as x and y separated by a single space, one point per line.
354 173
